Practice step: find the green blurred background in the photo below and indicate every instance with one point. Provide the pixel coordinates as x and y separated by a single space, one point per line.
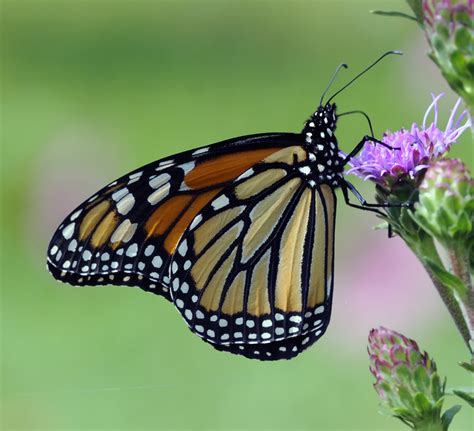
94 89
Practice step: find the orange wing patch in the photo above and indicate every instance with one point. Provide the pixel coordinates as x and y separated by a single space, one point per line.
225 168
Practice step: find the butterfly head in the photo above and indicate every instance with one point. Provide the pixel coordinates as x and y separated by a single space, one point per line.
320 127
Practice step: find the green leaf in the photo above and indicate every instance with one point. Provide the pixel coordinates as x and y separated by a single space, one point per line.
446 278
449 414
417 9
422 404
381 226
465 396
393 13
463 39
467 366
422 381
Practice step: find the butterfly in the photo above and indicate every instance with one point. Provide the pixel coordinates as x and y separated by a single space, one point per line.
238 235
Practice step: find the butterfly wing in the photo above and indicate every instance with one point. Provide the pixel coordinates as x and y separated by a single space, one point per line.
127 232
253 273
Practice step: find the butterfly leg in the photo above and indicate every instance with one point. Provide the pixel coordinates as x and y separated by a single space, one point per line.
349 186
361 144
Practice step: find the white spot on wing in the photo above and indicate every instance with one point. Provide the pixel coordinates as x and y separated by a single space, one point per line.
126 204
158 195
159 180
119 194
220 202
68 231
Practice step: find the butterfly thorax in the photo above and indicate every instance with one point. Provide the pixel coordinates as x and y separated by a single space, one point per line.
325 163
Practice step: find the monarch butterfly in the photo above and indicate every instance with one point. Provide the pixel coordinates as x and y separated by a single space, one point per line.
239 235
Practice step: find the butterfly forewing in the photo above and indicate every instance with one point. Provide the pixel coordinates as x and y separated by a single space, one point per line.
253 273
127 233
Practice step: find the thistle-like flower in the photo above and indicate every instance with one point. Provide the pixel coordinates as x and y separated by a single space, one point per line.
415 149
407 381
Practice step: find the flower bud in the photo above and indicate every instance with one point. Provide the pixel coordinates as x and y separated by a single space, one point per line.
406 378
446 202
449 29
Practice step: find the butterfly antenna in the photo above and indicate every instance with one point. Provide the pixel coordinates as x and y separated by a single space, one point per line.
364 71
342 65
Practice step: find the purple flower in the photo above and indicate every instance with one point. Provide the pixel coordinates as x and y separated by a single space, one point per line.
415 148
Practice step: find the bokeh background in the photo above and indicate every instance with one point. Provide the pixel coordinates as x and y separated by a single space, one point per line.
93 89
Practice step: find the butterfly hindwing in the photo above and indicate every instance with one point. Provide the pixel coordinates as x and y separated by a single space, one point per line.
253 273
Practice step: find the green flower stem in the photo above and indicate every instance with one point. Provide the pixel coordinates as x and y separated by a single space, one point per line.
424 248
432 424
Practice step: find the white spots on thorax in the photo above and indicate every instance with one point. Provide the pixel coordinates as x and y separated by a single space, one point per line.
126 204
312 157
132 250
322 135
312 183
68 231
119 194
320 147
320 168
305 170
311 124
329 131
325 120
220 202
158 195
